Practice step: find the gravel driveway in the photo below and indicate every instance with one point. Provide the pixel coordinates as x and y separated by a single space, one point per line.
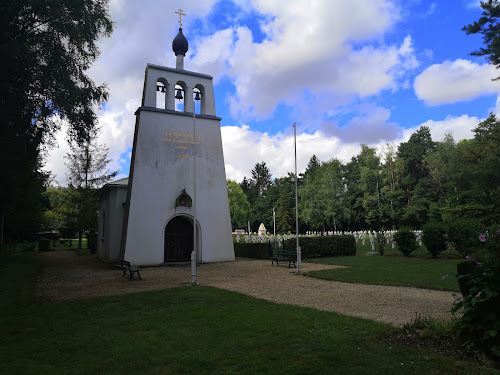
66 275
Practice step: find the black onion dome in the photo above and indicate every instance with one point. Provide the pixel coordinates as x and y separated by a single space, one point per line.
180 44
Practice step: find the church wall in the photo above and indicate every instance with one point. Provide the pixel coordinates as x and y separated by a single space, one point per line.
163 166
111 212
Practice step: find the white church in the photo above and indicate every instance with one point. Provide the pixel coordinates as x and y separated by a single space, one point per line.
177 180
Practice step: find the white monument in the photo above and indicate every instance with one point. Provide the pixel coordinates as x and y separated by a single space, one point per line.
262 230
177 174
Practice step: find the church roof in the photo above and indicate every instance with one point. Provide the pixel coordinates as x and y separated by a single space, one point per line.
121 183
180 44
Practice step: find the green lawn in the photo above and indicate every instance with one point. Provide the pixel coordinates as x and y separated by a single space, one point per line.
192 330
392 270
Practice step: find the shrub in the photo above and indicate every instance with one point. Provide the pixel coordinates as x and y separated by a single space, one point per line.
405 239
323 246
92 241
251 250
381 241
480 306
463 235
434 238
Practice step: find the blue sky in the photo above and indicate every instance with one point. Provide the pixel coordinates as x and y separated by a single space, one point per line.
347 72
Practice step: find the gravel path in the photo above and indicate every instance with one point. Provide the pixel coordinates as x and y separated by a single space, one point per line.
66 275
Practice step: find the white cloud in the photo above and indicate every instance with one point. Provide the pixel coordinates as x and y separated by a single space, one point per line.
454 81
243 148
371 126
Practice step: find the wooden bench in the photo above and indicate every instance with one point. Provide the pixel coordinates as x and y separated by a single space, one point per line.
284 256
127 267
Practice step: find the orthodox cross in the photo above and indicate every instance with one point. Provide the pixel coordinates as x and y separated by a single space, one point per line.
179 12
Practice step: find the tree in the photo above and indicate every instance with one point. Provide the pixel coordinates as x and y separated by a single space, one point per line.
323 203
489 27
239 207
255 189
285 212
87 171
261 176
370 178
47 48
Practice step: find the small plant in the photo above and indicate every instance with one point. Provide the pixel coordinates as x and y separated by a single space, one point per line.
434 238
406 241
431 327
381 241
463 235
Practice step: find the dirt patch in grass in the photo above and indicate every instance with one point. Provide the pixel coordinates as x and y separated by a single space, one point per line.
449 346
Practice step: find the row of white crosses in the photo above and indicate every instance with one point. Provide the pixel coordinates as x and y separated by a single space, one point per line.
358 235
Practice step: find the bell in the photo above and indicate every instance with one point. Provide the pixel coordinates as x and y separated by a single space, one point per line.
178 95
197 96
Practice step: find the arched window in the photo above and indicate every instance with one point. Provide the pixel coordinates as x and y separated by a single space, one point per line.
161 93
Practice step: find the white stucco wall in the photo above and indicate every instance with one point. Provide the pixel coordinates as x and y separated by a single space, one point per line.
164 165
111 213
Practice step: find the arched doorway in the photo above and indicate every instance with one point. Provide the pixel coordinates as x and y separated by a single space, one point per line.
178 240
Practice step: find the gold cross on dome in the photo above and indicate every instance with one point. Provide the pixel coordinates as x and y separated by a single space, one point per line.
179 12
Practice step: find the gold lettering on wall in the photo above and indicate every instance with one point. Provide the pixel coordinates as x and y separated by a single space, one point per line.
181 141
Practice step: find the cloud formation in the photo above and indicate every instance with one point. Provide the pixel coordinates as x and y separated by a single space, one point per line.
454 81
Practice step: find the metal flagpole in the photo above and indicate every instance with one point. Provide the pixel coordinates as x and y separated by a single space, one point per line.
193 253
299 261
274 223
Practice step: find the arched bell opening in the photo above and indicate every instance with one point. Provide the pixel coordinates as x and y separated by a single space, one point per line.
199 99
180 96
178 240
161 93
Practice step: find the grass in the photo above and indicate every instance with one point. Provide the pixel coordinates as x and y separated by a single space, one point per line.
420 270
390 270
192 330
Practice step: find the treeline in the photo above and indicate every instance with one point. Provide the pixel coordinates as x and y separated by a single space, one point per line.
421 181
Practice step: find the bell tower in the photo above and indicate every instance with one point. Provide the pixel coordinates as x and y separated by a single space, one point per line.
177 181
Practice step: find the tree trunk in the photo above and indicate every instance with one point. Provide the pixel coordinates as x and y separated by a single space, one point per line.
2 219
80 235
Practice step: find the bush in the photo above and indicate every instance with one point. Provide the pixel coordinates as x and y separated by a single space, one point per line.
405 239
323 246
463 235
252 250
43 244
381 241
434 238
480 307
480 284
92 241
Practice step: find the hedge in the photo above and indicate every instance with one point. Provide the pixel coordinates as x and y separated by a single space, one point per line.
323 246
251 250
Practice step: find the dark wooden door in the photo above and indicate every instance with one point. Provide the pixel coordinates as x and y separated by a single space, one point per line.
178 240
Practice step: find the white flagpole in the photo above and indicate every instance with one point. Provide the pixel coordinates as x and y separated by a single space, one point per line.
299 255
274 223
193 253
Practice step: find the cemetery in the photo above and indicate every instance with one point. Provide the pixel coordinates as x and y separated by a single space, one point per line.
388 263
